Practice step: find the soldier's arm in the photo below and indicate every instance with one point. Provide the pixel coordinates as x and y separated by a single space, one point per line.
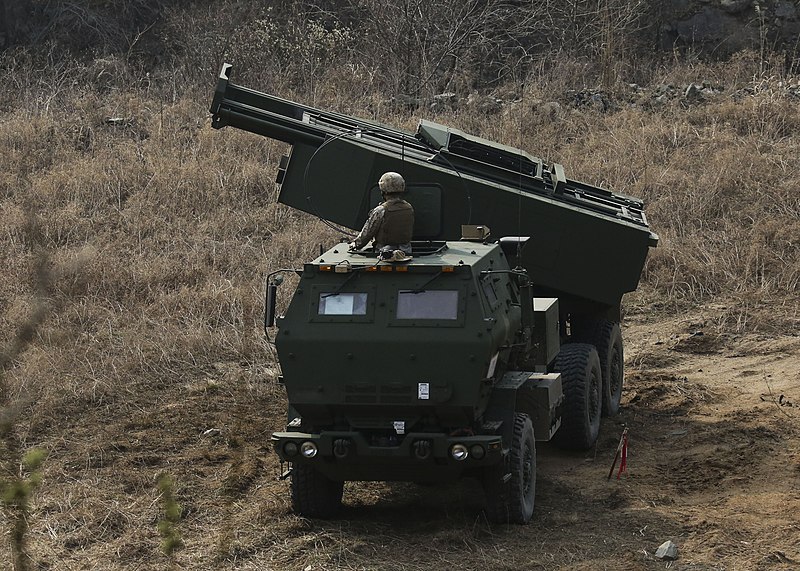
370 228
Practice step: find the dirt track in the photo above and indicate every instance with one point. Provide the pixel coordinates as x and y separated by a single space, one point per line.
714 466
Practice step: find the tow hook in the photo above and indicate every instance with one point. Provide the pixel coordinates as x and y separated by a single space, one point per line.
341 448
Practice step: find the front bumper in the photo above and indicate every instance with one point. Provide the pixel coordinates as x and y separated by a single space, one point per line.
347 455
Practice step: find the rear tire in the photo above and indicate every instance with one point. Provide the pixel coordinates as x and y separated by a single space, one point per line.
582 381
606 336
313 494
608 340
512 501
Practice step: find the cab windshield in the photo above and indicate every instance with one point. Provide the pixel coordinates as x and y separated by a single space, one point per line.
427 304
332 303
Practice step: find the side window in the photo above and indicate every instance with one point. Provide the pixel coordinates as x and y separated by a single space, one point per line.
487 284
512 294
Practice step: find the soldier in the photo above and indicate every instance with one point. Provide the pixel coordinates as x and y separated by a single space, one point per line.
391 223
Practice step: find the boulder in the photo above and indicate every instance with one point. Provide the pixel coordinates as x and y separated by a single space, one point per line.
667 551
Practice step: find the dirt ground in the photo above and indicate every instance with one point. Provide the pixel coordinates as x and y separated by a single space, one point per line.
714 466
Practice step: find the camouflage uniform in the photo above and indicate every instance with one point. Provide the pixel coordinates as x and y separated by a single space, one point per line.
391 223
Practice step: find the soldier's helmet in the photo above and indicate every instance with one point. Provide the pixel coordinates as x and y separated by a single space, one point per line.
392 183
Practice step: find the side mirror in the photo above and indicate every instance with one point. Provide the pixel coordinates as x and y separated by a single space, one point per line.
526 297
271 301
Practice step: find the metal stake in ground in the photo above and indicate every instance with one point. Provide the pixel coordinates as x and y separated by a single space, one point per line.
622 450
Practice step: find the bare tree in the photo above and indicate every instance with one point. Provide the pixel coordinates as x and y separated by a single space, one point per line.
13 20
423 47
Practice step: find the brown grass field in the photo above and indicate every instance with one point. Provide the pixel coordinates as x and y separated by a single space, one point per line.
134 243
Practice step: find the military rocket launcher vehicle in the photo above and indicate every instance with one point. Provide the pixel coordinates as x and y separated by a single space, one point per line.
446 365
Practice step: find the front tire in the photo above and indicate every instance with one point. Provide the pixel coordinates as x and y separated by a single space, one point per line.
582 382
313 494
511 487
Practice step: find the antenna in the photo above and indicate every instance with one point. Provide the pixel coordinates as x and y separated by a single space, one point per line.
519 172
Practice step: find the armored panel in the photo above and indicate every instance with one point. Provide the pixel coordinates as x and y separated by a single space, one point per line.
545 330
544 393
427 202
539 395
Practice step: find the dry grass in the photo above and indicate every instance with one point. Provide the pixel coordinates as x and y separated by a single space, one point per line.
159 232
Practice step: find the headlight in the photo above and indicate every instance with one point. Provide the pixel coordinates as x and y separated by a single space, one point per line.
459 452
290 449
477 451
308 449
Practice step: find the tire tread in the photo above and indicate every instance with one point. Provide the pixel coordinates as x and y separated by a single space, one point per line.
574 362
313 494
504 501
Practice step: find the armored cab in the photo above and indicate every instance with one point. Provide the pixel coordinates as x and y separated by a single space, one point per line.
416 371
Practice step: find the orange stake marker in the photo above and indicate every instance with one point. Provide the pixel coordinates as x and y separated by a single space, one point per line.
623 463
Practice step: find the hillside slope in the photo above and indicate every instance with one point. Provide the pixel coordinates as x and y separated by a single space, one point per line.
135 239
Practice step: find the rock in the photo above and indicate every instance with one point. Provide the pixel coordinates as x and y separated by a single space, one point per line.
551 109
444 101
785 10
403 101
708 93
449 97
599 101
735 6
692 92
660 101
667 551
484 103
